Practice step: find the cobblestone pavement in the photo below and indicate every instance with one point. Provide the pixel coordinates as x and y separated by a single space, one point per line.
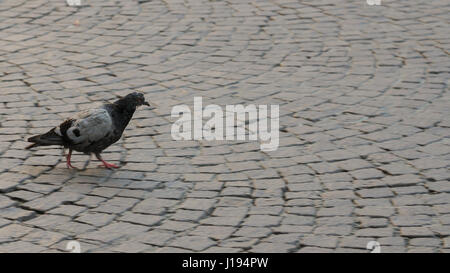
364 126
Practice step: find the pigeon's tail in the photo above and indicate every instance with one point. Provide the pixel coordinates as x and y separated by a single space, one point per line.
49 138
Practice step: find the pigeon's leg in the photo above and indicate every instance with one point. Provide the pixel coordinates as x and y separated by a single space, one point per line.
69 155
106 164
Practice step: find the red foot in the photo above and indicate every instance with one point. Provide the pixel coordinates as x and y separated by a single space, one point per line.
108 165
68 163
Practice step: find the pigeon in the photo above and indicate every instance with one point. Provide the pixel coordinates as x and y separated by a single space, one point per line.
93 130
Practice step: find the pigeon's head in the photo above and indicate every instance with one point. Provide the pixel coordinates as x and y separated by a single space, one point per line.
136 99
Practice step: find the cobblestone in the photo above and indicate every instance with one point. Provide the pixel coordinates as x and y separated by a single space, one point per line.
364 143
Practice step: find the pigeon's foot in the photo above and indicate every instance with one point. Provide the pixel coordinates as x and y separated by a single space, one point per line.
68 163
108 165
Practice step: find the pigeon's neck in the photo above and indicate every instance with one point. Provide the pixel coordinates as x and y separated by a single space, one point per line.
122 115
128 109
125 105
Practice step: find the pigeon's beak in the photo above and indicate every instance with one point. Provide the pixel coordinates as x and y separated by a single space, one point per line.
146 103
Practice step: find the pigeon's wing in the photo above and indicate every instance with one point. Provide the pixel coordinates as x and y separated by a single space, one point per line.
87 127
